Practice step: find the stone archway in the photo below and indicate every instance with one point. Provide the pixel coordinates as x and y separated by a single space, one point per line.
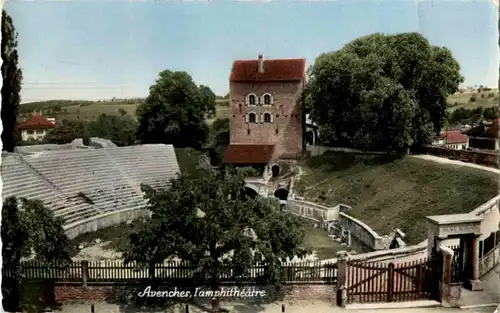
281 193
275 169
251 191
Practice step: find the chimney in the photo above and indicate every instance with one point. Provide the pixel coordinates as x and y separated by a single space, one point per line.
261 63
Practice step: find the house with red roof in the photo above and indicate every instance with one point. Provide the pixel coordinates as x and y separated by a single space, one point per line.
484 136
36 127
452 139
267 120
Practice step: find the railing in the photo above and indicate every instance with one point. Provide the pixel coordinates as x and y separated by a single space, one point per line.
489 261
171 272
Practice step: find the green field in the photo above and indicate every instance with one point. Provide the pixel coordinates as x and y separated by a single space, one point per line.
90 110
487 98
388 192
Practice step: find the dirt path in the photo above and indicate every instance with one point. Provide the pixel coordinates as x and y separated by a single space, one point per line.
455 162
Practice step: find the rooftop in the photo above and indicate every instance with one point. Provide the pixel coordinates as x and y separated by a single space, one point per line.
273 70
37 122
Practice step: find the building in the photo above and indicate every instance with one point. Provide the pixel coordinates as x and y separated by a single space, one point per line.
36 127
484 136
452 139
267 120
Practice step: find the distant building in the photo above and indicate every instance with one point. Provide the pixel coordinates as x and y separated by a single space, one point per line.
267 121
36 127
452 139
484 136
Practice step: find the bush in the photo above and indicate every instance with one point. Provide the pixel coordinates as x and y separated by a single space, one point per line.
473 99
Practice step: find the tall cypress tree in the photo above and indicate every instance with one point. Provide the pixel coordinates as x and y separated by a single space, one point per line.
12 77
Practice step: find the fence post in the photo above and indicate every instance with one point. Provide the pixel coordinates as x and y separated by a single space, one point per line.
85 273
390 282
341 280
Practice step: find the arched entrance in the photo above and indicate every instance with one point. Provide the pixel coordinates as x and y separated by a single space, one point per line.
250 192
281 193
275 169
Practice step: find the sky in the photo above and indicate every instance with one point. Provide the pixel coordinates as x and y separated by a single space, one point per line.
100 49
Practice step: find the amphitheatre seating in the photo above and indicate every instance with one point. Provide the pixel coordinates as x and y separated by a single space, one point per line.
80 183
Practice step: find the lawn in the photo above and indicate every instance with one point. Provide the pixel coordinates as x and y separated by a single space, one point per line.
390 192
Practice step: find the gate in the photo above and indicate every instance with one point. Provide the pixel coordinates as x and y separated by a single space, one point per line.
389 282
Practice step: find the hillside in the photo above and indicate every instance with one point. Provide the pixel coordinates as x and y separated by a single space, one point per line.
90 110
387 193
473 98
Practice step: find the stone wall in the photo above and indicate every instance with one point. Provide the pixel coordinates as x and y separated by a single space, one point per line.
319 150
65 293
312 210
476 157
364 233
102 221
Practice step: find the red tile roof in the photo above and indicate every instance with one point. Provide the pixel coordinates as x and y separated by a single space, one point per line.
37 122
453 136
274 70
248 154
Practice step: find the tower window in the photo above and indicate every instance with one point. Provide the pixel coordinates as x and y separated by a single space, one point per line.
252 118
276 131
251 100
267 118
248 131
268 100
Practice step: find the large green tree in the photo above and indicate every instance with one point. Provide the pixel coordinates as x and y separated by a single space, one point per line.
382 92
120 130
29 228
67 131
207 220
12 77
175 111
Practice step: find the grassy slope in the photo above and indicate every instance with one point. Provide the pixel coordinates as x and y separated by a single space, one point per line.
461 100
387 194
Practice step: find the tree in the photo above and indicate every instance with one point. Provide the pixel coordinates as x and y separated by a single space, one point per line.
67 131
175 111
29 228
208 221
119 129
382 92
12 77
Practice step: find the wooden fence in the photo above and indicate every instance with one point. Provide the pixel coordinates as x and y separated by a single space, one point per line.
173 272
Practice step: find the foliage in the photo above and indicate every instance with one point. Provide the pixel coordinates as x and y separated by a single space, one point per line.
471 116
29 227
382 92
175 111
67 131
119 129
207 220
12 77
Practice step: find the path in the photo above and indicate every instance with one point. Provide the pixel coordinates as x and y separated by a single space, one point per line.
290 307
455 162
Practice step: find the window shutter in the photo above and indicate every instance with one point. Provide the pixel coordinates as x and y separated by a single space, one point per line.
261 118
272 100
272 118
246 100
246 118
